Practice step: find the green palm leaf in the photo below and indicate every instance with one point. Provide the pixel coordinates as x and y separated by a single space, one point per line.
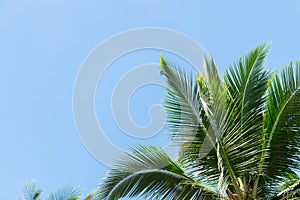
31 191
292 192
189 123
247 83
65 193
282 124
182 104
150 173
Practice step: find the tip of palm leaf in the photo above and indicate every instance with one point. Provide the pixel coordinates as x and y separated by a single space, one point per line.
162 62
265 46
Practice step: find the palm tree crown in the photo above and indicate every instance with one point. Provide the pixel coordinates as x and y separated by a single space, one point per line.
239 137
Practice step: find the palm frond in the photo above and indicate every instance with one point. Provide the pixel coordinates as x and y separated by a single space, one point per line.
160 184
182 104
292 192
65 193
31 191
282 124
247 83
150 173
188 123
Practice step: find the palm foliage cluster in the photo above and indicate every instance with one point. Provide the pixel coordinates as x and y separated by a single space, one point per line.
239 137
32 192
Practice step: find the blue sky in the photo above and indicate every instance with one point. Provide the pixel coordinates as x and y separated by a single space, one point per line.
43 44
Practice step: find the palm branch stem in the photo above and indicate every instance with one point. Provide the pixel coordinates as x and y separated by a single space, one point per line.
231 173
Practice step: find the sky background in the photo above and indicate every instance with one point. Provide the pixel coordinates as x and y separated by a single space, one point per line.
43 44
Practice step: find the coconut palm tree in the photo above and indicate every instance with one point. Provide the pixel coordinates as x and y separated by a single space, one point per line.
239 137
32 192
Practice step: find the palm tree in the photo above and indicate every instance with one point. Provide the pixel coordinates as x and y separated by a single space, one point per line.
32 192
239 137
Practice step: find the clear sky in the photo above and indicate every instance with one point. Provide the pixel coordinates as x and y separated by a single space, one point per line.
43 43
